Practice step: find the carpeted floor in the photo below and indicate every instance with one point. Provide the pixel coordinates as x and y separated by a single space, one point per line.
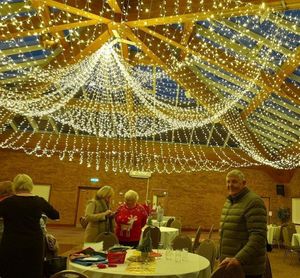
70 240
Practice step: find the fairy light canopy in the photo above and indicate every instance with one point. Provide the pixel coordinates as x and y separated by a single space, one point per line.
146 85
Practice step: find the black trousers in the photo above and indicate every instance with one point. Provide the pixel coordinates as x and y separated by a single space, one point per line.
253 276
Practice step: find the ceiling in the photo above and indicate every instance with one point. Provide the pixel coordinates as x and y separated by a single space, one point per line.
160 86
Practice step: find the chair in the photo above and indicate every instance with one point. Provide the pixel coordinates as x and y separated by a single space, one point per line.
211 231
197 239
287 243
109 239
170 220
182 242
68 274
232 272
155 235
207 249
176 224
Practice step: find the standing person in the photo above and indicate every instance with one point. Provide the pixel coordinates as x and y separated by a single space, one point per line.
130 218
243 228
5 191
98 214
21 249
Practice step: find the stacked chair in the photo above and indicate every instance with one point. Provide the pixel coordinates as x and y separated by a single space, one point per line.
176 224
155 235
196 241
289 249
207 249
170 220
182 242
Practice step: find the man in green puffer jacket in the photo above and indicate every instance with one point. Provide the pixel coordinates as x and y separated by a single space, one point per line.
243 228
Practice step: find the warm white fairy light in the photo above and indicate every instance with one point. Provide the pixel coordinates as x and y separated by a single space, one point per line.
104 96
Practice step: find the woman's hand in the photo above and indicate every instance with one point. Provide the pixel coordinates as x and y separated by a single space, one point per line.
108 212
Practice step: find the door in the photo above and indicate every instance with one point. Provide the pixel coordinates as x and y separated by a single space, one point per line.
85 194
267 204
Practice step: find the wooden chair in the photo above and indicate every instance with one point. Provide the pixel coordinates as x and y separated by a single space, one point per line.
211 231
196 241
207 249
155 235
232 272
68 274
170 220
176 224
109 239
289 249
182 242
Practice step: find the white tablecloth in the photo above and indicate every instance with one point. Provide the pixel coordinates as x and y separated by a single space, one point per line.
167 236
161 224
194 266
296 240
273 233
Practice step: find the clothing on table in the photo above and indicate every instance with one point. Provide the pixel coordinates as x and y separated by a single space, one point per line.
21 248
97 221
244 231
129 222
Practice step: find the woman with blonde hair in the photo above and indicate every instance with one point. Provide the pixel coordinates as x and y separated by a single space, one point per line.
21 249
98 214
130 218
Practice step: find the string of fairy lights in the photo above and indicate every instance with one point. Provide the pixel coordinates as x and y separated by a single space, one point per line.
161 115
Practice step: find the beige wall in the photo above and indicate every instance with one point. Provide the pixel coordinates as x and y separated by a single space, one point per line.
196 197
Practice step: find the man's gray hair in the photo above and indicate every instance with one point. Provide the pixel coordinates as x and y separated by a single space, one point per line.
237 173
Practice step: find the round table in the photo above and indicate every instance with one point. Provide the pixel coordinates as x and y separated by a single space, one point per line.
273 233
167 236
296 240
193 266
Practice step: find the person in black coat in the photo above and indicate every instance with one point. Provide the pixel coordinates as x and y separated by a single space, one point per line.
21 249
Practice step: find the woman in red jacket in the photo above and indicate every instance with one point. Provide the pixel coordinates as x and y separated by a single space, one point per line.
130 219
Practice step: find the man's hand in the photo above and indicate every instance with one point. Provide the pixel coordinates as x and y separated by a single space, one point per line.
229 262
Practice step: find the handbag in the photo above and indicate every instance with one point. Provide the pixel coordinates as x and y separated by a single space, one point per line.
83 222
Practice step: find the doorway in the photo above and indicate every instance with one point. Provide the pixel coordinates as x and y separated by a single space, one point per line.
85 194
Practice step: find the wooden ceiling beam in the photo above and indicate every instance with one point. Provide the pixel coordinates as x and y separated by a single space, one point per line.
115 6
210 59
276 84
186 36
43 10
76 11
12 8
210 11
243 132
52 29
92 47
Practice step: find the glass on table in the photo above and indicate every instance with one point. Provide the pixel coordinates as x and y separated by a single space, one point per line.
177 255
159 249
184 254
169 253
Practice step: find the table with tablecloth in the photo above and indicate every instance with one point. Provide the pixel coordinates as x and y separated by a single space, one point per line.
167 236
273 233
296 239
193 266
